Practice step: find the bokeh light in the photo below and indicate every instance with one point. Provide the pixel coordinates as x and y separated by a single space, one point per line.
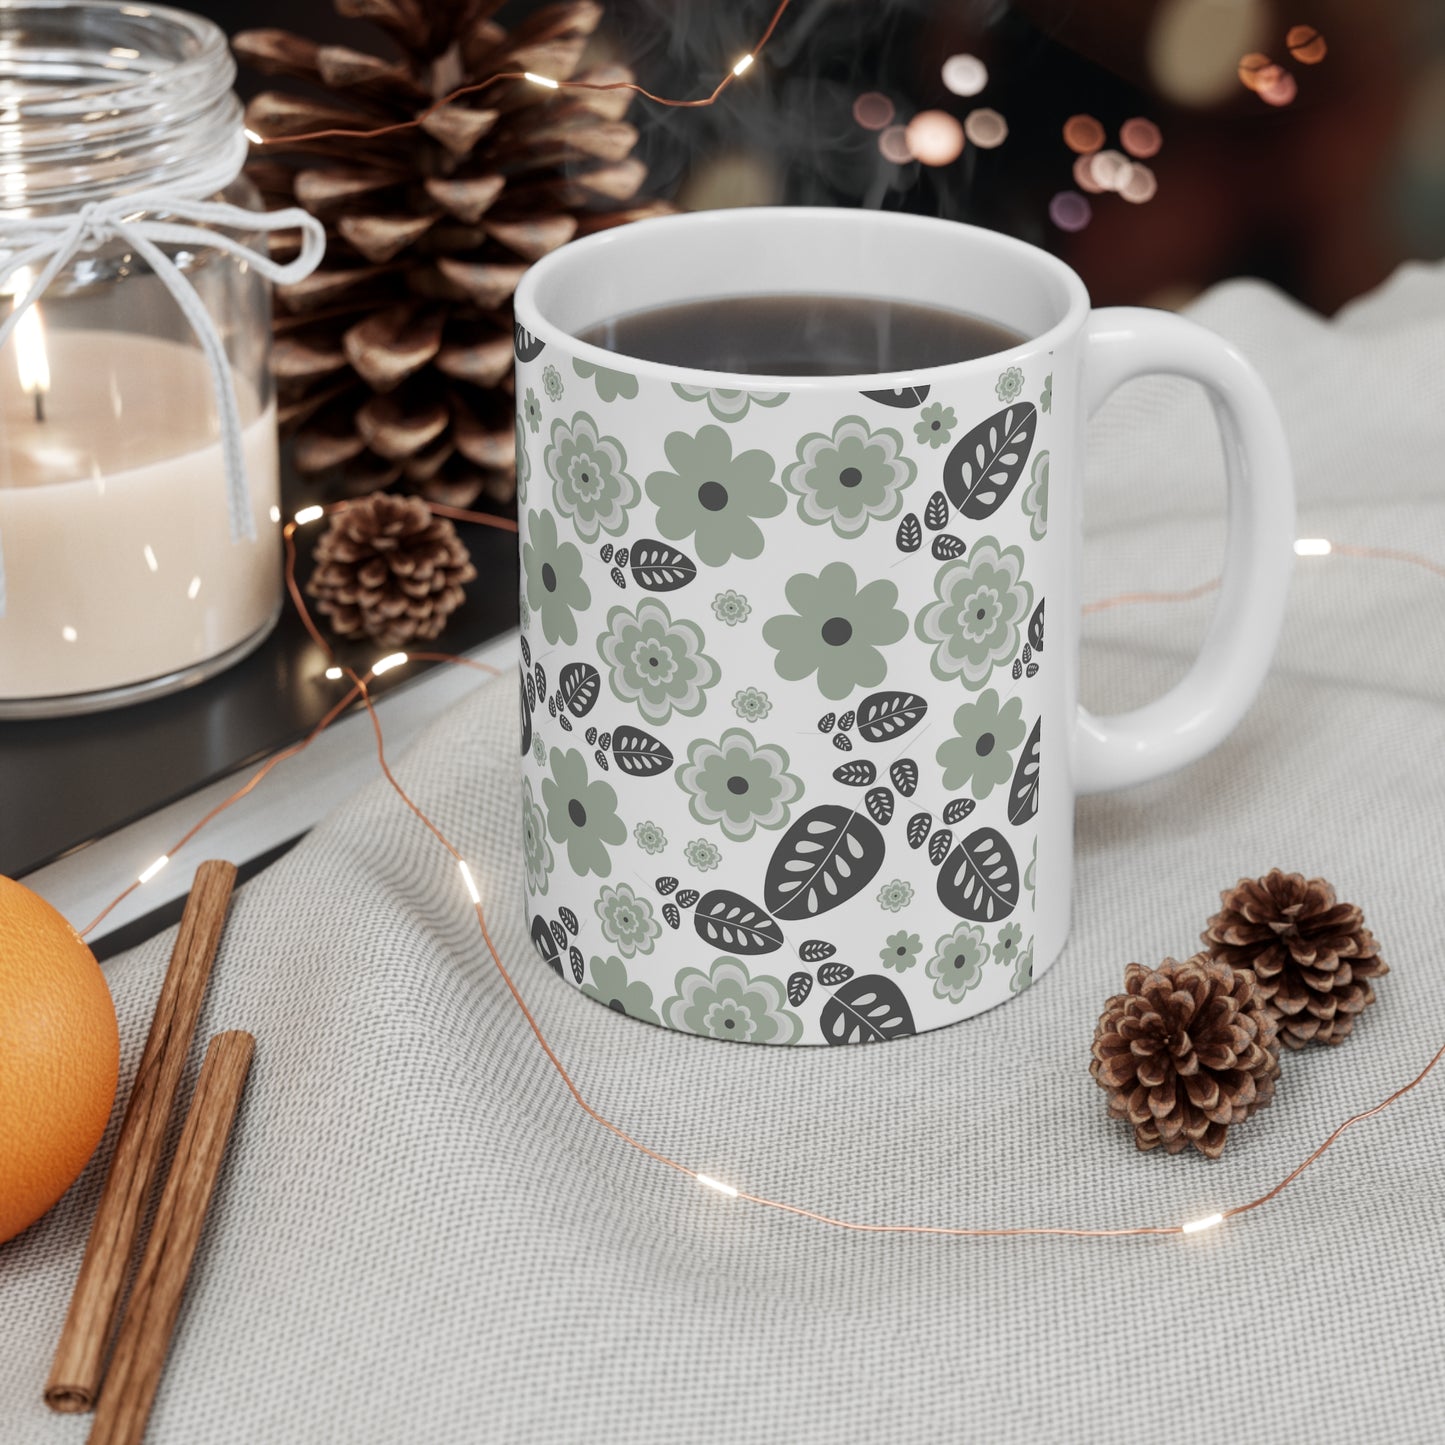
933 137
1278 88
965 74
893 142
1070 211
985 128
1306 44
872 110
1194 46
1083 134
1084 175
1110 170
1140 137
1251 67
737 178
1140 184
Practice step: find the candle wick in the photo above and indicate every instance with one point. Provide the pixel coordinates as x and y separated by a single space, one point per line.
39 404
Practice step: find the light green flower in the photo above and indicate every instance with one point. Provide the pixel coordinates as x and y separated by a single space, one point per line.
539 750
536 850
627 920
957 962
751 705
1007 948
1036 497
1046 399
731 607
895 896
738 784
976 621
715 495
610 384
650 838
610 985
590 481
655 662
850 478
1023 969
835 630
935 424
1010 384
532 409
552 382
553 573
581 814
524 465
901 951
703 855
726 1003
728 405
980 752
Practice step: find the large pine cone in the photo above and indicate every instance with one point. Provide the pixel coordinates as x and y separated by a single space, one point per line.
394 359
1313 957
1185 1051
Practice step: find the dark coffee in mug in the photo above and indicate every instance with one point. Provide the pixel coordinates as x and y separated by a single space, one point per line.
801 335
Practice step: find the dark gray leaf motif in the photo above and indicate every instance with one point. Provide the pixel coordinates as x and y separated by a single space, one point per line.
900 396
938 846
910 534
1023 793
546 945
980 879
826 722
1018 669
540 674
884 715
620 556
604 741
674 918
618 576
826 857
564 722
856 773
526 717
597 753
1036 627
551 707
946 547
984 466
591 736
666 884
935 514
574 957
866 1010
639 753
843 742
531 689
815 950
526 654
606 552
732 923
578 687
800 985
957 809
569 920
560 934
918 826
1031 669
1027 653
879 802
687 898
526 346
904 773
832 974
658 567
846 720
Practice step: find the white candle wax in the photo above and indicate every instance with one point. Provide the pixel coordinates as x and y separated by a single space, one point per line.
114 523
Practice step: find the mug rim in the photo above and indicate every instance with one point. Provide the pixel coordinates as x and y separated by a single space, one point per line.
592 250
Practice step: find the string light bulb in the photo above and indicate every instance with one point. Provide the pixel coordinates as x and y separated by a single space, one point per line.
543 80
1197 1226
385 664
469 880
708 1182
312 513
742 64
1313 547
148 873
333 674
256 140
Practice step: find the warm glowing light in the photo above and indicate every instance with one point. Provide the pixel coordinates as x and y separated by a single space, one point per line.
1193 46
1083 134
124 52
1306 44
1196 1225
385 664
150 557
738 69
934 137
333 673
256 140
1110 170
985 128
275 513
69 634
1140 184
1251 67
309 514
1070 211
1084 175
155 868
1140 138
545 80
894 144
31 358
1313 547
964 74
873 110
708 1182
193 589
469 880
1278 87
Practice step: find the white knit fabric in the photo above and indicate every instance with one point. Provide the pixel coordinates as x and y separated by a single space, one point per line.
419 1237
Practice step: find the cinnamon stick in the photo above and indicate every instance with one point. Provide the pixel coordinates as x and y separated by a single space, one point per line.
155 1298
75 1372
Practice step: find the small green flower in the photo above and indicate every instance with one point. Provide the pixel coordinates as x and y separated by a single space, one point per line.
553 576
738 784
703 855
957 962
581 814
1023 969
1007 948
650 838
935 424
835 630
590 481
901 951
850 478
895 896
728 405
524 465
1036 497
610 985
1046 398
731 607
655 662
727 1003
536 850
552 382
627 920
610 384
751 705
539 750
980 752
532 408
1010 384
976 621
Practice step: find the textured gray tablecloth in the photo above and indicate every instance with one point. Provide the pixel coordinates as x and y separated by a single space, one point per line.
419 1238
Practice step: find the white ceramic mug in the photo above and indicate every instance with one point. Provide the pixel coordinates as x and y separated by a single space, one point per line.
800 716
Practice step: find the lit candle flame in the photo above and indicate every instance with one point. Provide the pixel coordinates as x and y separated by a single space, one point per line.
31 359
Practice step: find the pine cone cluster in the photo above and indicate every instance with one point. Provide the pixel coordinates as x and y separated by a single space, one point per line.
1312 956
394 359
387 569
1186 1051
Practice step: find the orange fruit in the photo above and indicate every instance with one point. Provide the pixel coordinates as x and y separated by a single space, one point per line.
59 1055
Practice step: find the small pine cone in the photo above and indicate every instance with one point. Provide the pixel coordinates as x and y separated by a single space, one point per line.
1185 1051
1312 956
387 569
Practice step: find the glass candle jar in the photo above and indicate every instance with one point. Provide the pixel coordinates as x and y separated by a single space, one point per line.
130 568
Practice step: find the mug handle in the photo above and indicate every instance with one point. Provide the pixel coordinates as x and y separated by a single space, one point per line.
1198 712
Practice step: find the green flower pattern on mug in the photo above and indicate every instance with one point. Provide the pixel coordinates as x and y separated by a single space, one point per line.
532 409
1032 868
731 607
728 405
851 478
738 784
957 962
980 753
895 896
649 837
1006 949
610 384
728 1003
835 630
935 424
552 574
608 984
524 465
536 850
751 705
539 750
655 662
703 854
1010 385
1023 974
590 481
627 920
552 382
1036 497
581 814
982 605
900 951
1046 397
715 497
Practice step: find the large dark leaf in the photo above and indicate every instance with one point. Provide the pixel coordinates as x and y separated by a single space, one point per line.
884 715
730 921
546 945
1023 793
879 802
983 468
904 772
834 973
1036 627
526 718
815 950
527 347
826 857
800 985
639 753
980 879
857 773
579 685
918 826
866 1010
660 568
900 396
